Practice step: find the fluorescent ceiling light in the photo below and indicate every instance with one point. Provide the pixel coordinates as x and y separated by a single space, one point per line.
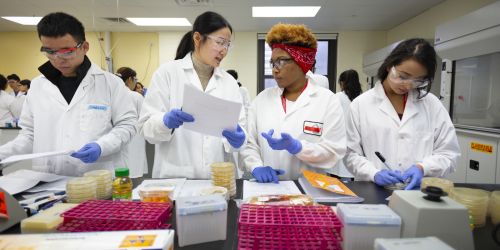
285 11
24 20
159 21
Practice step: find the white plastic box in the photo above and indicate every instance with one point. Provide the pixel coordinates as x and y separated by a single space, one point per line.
363 223
411 244
201 219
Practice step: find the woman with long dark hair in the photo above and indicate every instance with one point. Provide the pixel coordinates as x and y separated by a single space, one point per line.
400 120
180 152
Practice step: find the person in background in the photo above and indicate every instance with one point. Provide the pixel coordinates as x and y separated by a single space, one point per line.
181 152
318 79
243 91
401 120
24 86
135 153
351 88
73 105
6 104
295 124
13 81
139 88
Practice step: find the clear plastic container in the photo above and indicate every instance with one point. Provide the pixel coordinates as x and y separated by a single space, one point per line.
156 192
495 207
122 185
476 201
81 189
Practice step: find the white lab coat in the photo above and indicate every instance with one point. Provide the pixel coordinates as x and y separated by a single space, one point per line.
184 153
245 98
425 135
340 169
6 108
316 107
135 152
99 111
318 79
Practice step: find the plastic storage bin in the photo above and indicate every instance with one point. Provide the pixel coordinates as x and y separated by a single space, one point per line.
433 243
365 222
156 192
201 219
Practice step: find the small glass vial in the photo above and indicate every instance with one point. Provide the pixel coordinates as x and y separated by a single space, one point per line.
122 185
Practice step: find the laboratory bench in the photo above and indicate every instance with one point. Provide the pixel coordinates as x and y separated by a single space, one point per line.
372 194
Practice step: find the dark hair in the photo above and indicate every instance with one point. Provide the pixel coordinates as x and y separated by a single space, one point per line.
204 24
351 84
138 83
13 77
125 73
234 74
3 82
59 24
417 49
26 82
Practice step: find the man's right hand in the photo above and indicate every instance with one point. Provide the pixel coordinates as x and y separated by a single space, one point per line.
175 118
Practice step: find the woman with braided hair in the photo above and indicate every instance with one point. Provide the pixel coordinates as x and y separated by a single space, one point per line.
295 124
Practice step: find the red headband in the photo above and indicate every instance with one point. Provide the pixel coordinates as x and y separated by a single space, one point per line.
303 56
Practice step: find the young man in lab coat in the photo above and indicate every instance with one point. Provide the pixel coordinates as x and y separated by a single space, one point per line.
73 105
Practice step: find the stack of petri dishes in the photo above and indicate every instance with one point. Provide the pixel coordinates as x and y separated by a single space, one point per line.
81 189
223 175
444 184
476 201
495 207
104 180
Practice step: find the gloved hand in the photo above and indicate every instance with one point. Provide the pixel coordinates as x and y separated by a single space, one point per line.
416 174
176 117
386 177
235 138
267 174
286 141
89 153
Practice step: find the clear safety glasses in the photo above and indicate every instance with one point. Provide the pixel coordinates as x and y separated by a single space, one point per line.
220 43
66 53
279 63
398 78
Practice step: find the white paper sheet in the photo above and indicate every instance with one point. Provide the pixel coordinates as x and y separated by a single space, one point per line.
16 158
178 183
251 188
55 186
35 175
211 114
15 185
24 179
193 187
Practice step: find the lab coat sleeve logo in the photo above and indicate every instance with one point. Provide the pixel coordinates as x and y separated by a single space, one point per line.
313 128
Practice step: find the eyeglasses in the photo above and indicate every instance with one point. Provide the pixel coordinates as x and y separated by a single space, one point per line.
279 63
220 43
396 77
66 53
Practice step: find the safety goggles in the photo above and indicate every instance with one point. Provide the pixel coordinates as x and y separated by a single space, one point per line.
398 78
279 63
66 53
220 43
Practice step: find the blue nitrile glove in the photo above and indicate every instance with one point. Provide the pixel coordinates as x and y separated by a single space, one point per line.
235 138
89 153
267 174
416 174
286 141
176 117
386 177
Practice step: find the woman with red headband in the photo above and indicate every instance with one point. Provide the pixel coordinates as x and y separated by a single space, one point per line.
295 124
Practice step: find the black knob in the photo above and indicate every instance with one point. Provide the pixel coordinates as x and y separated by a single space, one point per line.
433 193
